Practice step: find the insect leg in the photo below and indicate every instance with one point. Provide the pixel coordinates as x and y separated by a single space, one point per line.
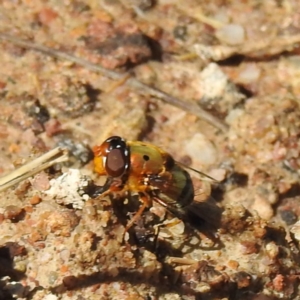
97 190
145 204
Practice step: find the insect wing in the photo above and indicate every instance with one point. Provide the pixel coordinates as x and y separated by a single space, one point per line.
186 197
207 211
204 206
174 188
197 174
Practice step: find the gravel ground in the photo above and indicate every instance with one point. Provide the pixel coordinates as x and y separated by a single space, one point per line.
238 60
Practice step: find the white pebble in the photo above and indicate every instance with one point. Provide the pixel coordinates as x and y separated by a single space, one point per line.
50 297
201 150
249 74
221 16
296 230
213 82
234 115
231 34
263 207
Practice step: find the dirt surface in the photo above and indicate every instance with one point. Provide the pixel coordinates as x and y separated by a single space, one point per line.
238 60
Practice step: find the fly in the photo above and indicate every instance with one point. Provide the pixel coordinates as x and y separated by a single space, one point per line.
149 171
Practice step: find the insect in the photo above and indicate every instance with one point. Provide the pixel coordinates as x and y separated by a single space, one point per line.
149 171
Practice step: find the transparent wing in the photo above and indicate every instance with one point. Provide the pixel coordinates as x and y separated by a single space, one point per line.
198 174
174 188
187 198
207 211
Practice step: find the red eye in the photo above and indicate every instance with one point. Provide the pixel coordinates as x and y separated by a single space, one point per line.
117 156
115 163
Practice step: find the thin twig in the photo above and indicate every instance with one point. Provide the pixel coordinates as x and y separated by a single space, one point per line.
199 15
181 260
256 49
132 82
54 156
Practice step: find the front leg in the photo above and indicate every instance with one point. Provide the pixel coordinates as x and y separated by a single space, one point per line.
94 190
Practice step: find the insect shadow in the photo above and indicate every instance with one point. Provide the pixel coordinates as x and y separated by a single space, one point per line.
7 253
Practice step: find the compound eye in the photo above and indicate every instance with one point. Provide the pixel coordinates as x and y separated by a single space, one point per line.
117 159
115 163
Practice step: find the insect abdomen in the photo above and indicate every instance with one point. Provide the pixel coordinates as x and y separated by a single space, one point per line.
177 191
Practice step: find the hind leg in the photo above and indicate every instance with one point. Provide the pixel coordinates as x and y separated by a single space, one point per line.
146 202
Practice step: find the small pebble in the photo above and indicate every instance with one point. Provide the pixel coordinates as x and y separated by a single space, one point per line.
1 218
12 212
233 264
218 174
65 255
249 247
272 250
62 222
296 230
36 199
201 150
214 82
176 227
20 266
231 34
41 181
143 4
278 282
70 281
46 16
288 216
52 277
28 208
52 127
243 279
50 297
263 207
234 115
249 74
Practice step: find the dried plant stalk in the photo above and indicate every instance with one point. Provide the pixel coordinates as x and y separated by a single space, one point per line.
132 82
54 156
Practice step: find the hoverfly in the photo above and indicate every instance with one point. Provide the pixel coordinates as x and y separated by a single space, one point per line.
149 171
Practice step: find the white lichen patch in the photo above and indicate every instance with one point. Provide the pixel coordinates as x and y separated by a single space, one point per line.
69 188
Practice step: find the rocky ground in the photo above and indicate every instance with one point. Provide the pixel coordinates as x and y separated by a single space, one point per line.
162 62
